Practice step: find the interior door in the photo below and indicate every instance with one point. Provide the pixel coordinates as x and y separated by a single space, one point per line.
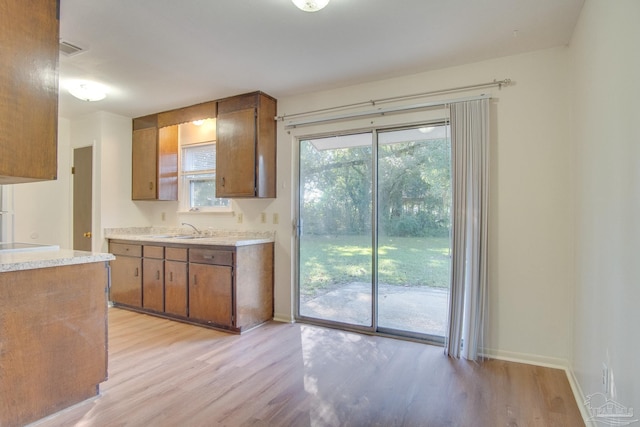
82 198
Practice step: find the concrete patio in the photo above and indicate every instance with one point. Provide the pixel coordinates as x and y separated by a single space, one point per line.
415 309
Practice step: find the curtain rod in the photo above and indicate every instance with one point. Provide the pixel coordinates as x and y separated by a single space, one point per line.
380 112
373 102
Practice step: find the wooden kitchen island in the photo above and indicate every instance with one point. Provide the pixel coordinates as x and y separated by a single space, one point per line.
53 331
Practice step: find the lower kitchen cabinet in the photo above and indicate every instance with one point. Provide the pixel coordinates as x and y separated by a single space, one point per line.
210 294
153 278
224 287
53 339
126 274
211 286
175 281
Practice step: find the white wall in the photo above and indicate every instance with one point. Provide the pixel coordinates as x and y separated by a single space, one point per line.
42 208
531 196
605 71
114 196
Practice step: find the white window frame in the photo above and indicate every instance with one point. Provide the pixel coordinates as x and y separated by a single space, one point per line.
184 187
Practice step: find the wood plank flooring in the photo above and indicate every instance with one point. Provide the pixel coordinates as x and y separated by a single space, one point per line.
165 373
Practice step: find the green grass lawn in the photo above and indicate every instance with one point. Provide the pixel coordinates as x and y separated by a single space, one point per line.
327 262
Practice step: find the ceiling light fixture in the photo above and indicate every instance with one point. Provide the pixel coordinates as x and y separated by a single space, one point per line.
87 91
310 5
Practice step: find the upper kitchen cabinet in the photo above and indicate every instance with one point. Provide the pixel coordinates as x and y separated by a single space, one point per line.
29 30
206 110
246 146
154 172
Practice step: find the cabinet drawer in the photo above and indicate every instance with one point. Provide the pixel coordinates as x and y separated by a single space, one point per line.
175 254
153 252
125 249
211 256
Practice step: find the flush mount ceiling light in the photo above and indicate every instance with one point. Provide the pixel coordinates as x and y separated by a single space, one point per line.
310 5
87 91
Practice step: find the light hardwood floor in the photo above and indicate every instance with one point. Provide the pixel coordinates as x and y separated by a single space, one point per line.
165 373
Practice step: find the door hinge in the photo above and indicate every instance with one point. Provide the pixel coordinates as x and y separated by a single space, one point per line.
73 170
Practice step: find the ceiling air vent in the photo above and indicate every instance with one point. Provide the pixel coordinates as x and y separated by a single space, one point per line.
70 49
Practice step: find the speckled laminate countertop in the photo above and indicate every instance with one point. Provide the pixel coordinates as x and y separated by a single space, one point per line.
187 236
43 259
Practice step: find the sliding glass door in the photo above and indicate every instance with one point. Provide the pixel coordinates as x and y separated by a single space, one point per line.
384 189
414 209
334 229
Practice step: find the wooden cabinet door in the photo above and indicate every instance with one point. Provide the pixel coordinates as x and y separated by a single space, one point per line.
175 288
53 339
167 179
210 293
29 34
154 170
144 164
153 284
236 154
126 281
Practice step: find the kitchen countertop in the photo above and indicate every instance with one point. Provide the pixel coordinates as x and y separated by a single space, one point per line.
189 237
9 247
30 260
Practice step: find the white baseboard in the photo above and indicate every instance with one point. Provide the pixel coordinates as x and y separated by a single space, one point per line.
529 359
284 318
580 398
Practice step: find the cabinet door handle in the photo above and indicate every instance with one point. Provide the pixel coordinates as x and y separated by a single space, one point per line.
171 276
223 181
150 185
208 256
136 273
158 275
195 279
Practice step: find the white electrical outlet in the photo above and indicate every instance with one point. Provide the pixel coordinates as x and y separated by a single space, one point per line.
276 218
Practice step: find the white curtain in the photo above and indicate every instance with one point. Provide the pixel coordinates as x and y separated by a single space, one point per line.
470 182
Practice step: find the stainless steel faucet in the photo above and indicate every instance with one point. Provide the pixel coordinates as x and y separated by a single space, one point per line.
192 226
